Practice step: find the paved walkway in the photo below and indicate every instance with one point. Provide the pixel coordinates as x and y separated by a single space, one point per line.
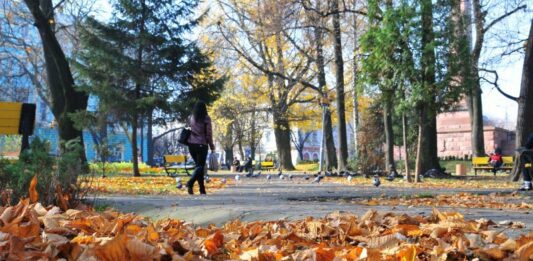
254 199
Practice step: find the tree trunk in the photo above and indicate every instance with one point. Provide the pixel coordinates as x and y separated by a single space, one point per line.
355 96
476 118
427 131
524 121
134 151
339 75
331 154
141 138
282 133
241 150
405 150
149 138
389 135
253 133
327 126
65 99
475 104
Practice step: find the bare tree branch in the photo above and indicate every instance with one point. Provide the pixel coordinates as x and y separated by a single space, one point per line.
496 85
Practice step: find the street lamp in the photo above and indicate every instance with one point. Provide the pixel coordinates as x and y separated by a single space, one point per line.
324 103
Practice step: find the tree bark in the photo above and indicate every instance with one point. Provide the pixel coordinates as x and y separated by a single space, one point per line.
524 121
65 99
327 126
355 96
389 135
134 152
427 131
339 75
282 134
475 104
405 150
149 138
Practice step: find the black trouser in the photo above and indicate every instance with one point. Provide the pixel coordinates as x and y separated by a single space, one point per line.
199 155
526 157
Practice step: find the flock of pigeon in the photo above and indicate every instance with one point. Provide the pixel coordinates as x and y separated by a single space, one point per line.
317 177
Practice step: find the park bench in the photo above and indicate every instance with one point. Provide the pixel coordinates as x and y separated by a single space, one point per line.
267 165
482 163
175 163
17 119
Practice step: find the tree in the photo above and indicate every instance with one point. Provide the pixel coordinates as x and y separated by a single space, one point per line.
140 62
257 33
65 99
524 124
299 138
483 11
339 87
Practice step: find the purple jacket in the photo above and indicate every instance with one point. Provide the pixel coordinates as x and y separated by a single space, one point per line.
201 132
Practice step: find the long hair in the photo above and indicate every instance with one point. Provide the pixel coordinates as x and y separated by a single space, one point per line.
199 111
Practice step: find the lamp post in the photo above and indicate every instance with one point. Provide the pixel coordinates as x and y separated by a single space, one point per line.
324 103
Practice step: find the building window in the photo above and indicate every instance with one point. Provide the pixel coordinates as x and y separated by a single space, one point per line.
306 156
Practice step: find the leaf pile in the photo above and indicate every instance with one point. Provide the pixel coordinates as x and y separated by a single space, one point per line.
461 200
31 231
147 185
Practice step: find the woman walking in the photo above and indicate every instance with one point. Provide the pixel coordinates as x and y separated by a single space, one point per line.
201 136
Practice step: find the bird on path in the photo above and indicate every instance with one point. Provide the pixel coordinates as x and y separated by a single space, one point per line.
376 182
178 180
281 176
349 178
207 179
328 174
179 185
318 179
392 175
223 180
306 177
290 176
268 177
237 177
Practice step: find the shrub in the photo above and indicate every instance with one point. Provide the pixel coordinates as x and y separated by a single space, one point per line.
52 173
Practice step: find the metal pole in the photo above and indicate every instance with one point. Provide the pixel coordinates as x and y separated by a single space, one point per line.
320 165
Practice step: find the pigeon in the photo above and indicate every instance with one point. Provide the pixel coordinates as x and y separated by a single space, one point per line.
179 185
349 178
268 177
223 180
280 172
328 174
318 179
306 177
290 176
207 179
376 182
178 180
281 176
237 177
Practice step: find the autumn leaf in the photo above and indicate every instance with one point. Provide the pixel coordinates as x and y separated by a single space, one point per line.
114 249
213 242
525 252
34 195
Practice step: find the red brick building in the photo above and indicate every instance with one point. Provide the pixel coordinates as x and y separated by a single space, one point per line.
454 135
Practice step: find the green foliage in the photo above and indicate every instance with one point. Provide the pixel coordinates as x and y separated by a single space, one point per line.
140 61
51 172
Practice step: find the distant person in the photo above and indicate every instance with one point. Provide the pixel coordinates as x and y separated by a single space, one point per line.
526 156
496 160
201 137
236 164
247 165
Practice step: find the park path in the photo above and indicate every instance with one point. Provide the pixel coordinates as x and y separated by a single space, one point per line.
256 199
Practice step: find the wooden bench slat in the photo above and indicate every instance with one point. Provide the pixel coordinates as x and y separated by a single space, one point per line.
10 106
4 122
9 130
